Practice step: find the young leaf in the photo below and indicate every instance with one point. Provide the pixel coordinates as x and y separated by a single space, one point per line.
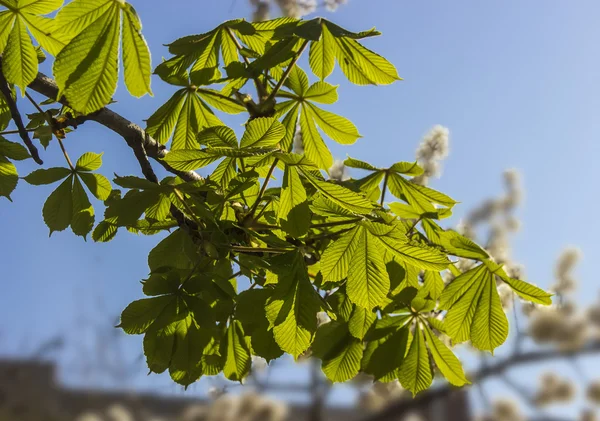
58 208
83 212
98 185
136 55
321 56
336 258
87 68
47 176
445 360
236 353
8 177
360 322
262 132
139 315
292 310
89 161
415 373
293 212
368 281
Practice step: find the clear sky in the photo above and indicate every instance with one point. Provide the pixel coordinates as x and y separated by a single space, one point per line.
516 83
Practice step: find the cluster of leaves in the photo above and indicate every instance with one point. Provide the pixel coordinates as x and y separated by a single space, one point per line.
307 245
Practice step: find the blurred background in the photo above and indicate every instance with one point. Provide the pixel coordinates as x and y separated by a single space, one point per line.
499 104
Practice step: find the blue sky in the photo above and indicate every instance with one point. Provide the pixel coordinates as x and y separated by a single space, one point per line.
515 82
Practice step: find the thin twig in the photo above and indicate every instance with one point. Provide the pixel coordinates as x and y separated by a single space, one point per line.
244 249
16 116
383 191
16 132
50 124
289 69
336 223
263 189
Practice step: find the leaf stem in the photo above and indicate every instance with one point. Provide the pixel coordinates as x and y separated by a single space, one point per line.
263 188
384 190
287 72
260 88
51 124
16 132
244 249
336 223
187 207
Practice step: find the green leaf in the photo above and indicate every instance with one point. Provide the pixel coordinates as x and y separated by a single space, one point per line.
297 81
368 281
490 326
89 161
160 336
136 56
336 127
525 290
13 150
58 209
474 310
139 315
407 168
176 251
342 196
360 322
292 310
322 92
445 360
8 177
83 212
314 146
415 374
194 116
221 102
262 132
161 124
433 285
218 136
186 363
345 364
421 198
98 185
355 163
321 56
86 70
236 353
190 159
104 232
336 258
131 182
419 256
47 176
361 65
293 212
386 347
19 63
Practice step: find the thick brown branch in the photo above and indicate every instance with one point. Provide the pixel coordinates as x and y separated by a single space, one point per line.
137 139
16 116
393 411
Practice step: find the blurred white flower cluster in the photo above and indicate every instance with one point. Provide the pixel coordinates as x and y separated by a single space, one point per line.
291 8
434 148
554 389
503 410
379 394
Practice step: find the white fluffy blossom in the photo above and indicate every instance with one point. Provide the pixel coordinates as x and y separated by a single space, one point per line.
554 389
118 412
506 296
338 171
296 8
332 5
298 146
506 410
593 392
433 149
565 280
588 415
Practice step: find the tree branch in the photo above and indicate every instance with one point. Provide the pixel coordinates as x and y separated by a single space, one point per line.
394 410
142 144
16 116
